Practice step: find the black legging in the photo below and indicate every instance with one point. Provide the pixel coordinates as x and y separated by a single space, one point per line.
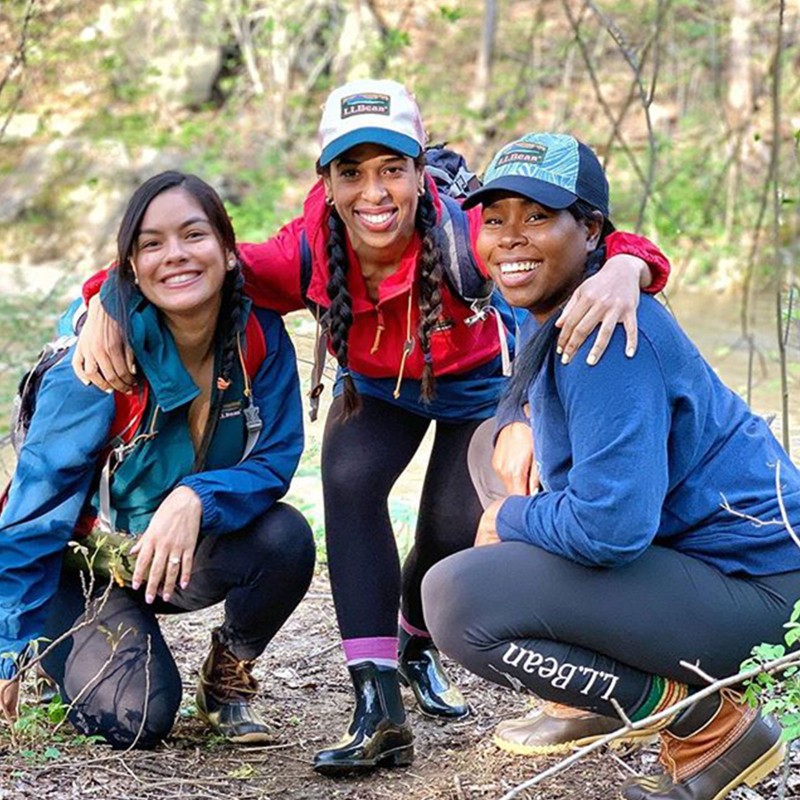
520 616
261 572
361 460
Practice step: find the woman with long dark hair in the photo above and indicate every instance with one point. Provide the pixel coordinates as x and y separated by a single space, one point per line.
171 493
658 538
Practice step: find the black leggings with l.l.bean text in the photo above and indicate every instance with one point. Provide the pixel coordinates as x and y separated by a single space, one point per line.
522 617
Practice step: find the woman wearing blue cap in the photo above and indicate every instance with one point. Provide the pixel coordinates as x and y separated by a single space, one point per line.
657 537
410 350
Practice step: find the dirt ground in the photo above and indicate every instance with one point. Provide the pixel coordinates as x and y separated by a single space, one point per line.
305 694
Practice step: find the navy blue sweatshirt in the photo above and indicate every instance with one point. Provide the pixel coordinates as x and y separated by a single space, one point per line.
653 450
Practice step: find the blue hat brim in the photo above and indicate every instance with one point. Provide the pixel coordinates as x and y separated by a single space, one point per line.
398 142
540 192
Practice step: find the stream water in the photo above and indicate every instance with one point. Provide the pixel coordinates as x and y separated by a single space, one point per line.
713 323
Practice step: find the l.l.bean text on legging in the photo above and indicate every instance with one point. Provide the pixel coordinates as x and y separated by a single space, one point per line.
559 674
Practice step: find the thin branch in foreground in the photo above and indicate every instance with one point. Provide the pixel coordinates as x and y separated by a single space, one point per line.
769 667
147 665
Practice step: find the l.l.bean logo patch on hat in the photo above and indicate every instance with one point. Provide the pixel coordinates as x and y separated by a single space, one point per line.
366 103
524 152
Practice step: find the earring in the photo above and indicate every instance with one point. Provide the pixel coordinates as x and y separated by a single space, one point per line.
133 270
329 201
231 262
421 191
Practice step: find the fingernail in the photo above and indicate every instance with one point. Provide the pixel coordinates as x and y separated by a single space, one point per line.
184 584
149 598
84 381
108 391
629 352
133 369
135 585
559 350
565 358
591 360
166 597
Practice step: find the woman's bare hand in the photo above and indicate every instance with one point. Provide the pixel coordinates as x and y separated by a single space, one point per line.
513 459
165 551
9 699
606 299
101 355
487 527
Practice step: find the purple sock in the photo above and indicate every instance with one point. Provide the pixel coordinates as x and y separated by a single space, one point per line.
381 650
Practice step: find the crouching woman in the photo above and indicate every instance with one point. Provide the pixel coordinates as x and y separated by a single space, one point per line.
202 452
657 537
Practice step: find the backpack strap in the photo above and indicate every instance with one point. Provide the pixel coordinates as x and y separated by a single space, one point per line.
322 335
252 357
305 266
461 269
464 277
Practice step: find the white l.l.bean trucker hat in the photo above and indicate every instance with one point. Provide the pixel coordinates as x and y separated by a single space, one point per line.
370 112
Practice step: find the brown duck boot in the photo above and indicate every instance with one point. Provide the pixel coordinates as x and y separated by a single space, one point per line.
224 693
707 757
555 728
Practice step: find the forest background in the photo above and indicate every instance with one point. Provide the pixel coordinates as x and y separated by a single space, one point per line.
693 106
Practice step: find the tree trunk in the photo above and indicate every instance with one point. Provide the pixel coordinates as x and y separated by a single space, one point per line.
483 68
739 101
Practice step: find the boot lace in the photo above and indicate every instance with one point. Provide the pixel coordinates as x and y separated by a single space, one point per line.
230 678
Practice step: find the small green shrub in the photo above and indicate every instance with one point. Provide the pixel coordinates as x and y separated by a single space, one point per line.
778 694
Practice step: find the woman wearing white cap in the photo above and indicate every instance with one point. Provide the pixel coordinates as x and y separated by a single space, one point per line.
410 351
630 563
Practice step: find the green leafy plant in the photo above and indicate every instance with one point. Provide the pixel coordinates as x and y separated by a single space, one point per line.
778 693
39 734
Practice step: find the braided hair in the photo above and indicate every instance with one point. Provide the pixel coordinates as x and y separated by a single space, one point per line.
431 272
535 352
340 312
230 322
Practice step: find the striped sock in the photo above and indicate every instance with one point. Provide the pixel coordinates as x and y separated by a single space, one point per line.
663 693
380 650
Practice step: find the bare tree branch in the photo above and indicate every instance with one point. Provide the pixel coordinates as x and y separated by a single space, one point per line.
18 60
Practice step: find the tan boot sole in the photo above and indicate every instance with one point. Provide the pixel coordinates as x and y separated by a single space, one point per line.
770 761
636 738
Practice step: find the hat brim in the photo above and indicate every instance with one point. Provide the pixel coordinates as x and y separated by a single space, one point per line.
540 192
398 142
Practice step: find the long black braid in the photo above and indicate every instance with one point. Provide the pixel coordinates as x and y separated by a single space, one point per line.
231 321
533 355
340 312
431 272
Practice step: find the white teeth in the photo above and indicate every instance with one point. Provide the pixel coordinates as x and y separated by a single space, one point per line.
184 277
518 266
376 219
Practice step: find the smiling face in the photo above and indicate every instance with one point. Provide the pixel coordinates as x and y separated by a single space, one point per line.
375 191
178 258
535 255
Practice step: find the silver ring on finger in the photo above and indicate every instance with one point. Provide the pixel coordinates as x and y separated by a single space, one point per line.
174 561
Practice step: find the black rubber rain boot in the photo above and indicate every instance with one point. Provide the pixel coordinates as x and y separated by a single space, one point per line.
421 670
379 735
